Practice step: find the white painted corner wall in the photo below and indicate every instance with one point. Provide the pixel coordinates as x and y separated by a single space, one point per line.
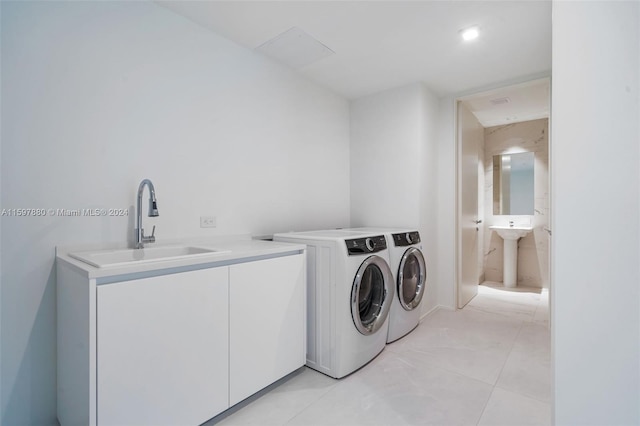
1 274
446 207
428 196
393 167
97 96
595 158
386 146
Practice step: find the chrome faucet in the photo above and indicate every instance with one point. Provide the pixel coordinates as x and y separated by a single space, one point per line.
153 212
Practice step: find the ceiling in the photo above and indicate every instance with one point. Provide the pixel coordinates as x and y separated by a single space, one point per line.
512 104
380 45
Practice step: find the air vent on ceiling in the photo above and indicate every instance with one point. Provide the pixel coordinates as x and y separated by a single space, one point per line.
295 48
500 101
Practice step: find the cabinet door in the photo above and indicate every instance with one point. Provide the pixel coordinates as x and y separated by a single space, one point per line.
163 349
267 323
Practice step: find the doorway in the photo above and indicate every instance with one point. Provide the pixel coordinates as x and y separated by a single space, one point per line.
491 126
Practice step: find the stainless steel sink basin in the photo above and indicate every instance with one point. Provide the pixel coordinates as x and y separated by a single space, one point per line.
124 257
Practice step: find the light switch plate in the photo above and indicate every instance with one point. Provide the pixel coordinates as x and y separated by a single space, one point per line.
207 221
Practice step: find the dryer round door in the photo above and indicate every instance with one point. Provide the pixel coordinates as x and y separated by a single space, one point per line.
412 274
371 295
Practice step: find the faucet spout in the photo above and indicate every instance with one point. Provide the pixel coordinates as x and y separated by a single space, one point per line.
153 212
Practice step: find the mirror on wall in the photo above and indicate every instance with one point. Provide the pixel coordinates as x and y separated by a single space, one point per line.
513 192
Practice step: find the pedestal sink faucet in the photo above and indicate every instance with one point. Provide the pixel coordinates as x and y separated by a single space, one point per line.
153 212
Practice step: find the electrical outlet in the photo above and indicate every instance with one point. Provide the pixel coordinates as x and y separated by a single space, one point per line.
207 221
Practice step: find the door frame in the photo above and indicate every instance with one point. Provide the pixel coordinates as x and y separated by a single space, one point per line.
458 199
458 180
458 207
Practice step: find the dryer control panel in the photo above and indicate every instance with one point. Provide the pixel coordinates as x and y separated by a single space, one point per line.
404 239
366 245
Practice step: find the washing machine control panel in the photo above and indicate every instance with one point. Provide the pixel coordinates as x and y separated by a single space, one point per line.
366 245
404 239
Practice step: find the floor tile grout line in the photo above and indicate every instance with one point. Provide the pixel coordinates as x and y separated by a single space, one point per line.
541 304
225 420
513 344
459 373
536 310
315 401
518 329
522 395
450 371
493 389
435 367
503 315
446 370
495 385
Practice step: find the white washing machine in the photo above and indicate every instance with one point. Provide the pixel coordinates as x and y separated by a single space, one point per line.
349 294
410 274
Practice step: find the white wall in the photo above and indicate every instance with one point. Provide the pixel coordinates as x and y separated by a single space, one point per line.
595 312
386 141
428 221
1 274
393 177
97 96
446 205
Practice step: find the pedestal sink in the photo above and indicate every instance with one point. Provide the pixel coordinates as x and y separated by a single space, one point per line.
511 235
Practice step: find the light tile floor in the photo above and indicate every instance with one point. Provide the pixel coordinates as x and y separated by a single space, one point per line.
487 364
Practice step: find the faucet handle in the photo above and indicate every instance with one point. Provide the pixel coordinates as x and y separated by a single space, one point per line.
151 238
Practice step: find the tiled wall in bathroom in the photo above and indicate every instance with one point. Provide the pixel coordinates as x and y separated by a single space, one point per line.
533 249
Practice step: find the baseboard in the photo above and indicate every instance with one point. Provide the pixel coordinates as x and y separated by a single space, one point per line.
434 310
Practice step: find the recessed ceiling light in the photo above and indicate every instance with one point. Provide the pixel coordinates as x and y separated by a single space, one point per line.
470 33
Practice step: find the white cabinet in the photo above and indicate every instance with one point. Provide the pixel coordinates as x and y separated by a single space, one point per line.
180 345
267 323
162 349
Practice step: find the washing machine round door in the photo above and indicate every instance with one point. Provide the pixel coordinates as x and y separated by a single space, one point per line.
371 295
412 275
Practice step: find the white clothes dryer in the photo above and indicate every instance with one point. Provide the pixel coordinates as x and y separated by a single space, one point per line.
349 294
410 275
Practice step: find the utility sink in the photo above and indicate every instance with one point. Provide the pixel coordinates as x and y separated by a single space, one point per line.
511 232
124 257
511 235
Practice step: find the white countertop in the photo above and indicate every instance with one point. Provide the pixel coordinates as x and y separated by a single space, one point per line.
235 250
